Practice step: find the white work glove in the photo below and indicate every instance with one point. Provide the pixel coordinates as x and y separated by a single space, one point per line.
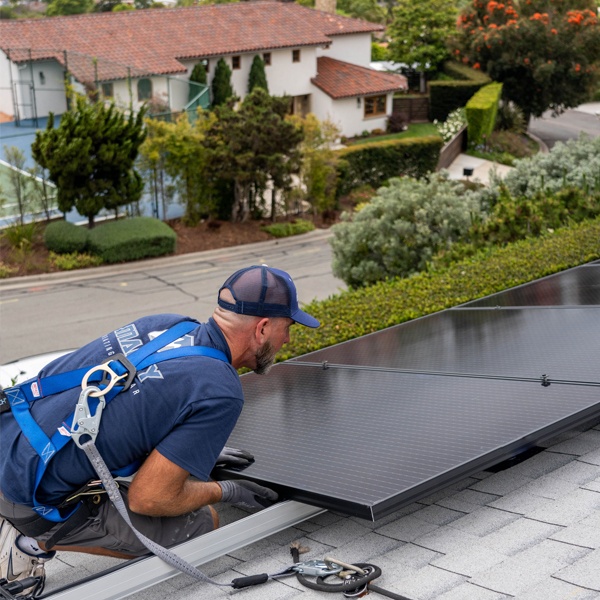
247 494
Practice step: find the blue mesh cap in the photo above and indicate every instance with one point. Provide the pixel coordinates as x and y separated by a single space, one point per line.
263 291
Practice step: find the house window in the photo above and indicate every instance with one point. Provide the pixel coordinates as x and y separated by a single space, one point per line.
375 106
236 62
42 78
108 90
144 89
295 55
267 59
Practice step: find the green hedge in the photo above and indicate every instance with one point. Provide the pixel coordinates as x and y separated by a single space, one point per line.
132 239
355 313
373 164
481 111
63 237
446 96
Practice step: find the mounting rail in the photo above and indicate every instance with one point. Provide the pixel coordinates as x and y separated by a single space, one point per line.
143 573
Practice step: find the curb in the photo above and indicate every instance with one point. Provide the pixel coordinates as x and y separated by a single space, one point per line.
27 281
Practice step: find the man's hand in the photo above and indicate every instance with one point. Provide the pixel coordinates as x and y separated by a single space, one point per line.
247 494
232 457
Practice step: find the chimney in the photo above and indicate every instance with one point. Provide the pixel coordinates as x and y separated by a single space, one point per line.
326 6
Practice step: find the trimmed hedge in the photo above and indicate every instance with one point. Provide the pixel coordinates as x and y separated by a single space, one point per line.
373 164
132 239
355 313
446 96
63 237
481 111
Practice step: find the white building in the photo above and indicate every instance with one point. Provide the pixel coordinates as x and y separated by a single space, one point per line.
319 59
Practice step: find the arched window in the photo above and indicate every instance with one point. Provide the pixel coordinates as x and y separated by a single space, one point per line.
144 89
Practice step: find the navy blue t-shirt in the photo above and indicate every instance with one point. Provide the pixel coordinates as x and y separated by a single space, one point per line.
186 408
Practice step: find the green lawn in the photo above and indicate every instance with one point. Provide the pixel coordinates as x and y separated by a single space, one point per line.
414 130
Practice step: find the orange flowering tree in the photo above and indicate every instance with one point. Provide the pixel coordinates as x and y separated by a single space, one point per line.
545 52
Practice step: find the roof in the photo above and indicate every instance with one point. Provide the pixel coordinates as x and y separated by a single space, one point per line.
343 80
153 41
530 532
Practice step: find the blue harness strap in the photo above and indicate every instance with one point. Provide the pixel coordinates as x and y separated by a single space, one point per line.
21 396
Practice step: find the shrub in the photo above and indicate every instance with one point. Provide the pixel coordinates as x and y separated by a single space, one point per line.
286 229
359 312
21 235
74 260
62 237
132 239
373 164
399 231
6 270
574 164
452 125
396 123
510 118
481 111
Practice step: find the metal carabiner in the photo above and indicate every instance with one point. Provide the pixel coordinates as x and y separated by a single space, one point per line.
84 422
113 379
317 568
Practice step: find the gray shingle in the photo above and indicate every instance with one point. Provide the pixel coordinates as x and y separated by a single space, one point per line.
585 572
467 501
446 540
541 464
428 583
553 589
583 443
585 533
569 509
406 529
520 502
484 521
501 483
468 591
526 569
470 561
519 535
577 472
339 533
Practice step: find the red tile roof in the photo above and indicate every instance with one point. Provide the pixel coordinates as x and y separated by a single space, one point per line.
151 41
343 80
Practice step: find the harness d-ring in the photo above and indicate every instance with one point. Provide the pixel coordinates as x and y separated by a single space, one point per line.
112 381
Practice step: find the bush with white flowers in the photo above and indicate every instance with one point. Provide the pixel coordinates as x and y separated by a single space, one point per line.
455 121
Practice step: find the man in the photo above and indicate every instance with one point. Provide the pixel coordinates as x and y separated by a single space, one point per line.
174 420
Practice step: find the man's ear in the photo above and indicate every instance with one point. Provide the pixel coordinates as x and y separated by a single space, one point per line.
261 331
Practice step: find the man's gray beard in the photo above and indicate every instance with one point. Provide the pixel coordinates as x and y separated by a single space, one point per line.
265 357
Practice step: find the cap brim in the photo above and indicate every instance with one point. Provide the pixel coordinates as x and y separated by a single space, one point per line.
305 319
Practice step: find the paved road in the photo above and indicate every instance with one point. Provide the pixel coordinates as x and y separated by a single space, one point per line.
60 311
569 125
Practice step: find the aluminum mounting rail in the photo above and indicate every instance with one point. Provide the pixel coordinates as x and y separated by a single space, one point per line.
141 574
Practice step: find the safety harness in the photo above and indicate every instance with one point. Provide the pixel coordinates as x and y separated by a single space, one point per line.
104 381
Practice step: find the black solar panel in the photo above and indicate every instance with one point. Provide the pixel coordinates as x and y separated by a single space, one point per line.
372 424
368 442
576 287
521 342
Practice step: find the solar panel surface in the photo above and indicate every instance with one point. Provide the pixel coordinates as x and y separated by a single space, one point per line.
370 425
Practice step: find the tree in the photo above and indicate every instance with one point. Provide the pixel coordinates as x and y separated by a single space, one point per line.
318 173
252 146
19 179
369 10
222 90
546 53
90 157
41 192
419 32
69 7
198 75
257 77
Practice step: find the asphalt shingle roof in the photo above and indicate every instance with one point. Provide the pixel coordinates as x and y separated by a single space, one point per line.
343 80
529 532
152 41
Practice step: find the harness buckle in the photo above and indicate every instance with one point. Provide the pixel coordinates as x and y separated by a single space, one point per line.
317 568
110 377
84 422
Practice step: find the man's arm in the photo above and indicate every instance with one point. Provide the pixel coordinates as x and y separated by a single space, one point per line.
163 489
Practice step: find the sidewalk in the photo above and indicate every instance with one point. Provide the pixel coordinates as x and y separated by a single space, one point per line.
482 169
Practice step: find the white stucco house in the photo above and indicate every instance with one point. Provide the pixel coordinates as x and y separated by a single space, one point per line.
319 59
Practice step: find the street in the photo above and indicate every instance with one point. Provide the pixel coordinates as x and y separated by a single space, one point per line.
62 311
